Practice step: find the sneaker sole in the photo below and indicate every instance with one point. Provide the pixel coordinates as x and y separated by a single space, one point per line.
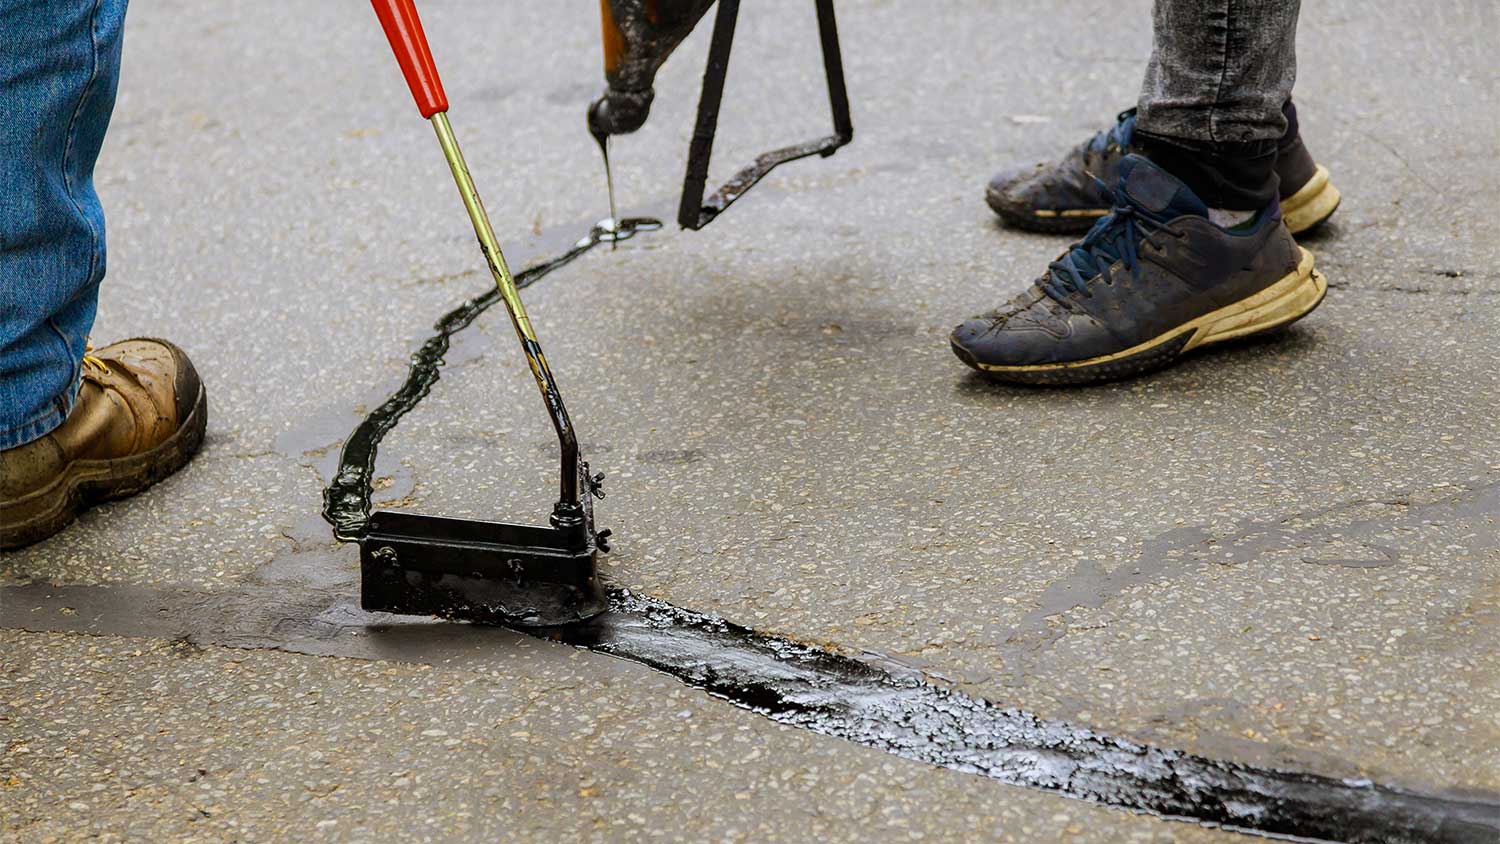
84 483
1308 208
1276 306
1312 204
1044 221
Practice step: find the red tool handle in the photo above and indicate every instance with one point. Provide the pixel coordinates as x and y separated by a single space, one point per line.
404 30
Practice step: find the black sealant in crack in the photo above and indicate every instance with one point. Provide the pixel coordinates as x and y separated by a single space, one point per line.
903 714
816 689
881 706
346 500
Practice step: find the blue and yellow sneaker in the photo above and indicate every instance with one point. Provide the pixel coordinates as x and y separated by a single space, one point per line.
1151 281
1061 197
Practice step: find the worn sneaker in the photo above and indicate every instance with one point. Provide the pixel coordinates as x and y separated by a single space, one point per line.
140 416
1062 198
1152 280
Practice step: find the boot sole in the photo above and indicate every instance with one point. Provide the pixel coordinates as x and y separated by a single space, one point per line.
1278 305
40 514
1305 210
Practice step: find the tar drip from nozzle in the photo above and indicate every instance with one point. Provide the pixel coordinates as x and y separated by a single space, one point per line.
602 139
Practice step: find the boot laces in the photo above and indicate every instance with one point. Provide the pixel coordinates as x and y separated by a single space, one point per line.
1116 237
93 365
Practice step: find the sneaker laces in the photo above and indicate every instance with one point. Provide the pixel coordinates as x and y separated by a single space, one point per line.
1114 238
1118 134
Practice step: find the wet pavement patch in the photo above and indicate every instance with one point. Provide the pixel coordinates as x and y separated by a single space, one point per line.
874 703
1352 534
899 711
882 706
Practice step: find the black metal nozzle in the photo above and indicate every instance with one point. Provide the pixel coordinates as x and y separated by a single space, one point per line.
619 112
486 572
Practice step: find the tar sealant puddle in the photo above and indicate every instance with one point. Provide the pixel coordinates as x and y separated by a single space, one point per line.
903 713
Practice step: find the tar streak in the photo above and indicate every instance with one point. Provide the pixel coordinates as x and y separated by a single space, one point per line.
346 501
814 689
904 714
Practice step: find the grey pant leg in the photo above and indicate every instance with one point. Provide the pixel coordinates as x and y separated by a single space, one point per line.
1220 70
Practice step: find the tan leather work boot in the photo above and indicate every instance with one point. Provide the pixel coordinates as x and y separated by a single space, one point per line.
140 416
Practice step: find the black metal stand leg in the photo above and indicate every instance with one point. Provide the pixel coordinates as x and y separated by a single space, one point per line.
695 212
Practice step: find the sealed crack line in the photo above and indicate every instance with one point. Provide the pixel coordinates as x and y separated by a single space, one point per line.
799 685
903 714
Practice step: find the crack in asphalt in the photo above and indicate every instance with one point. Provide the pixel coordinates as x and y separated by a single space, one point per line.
815 689
1348 525
875 703
883 706
346 499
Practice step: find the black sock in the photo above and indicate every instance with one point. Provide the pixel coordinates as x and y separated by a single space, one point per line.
1238 177
1289 111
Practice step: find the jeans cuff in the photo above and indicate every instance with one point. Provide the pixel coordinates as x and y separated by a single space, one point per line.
42 424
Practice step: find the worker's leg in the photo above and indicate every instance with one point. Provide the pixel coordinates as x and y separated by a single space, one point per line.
1211 104
1246 46
1192 248
74 428
59 64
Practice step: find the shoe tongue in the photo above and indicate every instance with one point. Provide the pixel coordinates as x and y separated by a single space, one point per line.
1156 190
1153 192
1125 129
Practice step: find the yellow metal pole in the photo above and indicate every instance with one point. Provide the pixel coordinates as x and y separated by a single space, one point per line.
482 227
522 323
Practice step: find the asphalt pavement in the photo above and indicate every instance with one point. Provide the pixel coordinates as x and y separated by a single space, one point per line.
1283 554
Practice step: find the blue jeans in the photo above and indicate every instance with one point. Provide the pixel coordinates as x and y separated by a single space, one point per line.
59 67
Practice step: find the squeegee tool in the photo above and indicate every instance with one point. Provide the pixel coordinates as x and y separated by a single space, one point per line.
467 569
